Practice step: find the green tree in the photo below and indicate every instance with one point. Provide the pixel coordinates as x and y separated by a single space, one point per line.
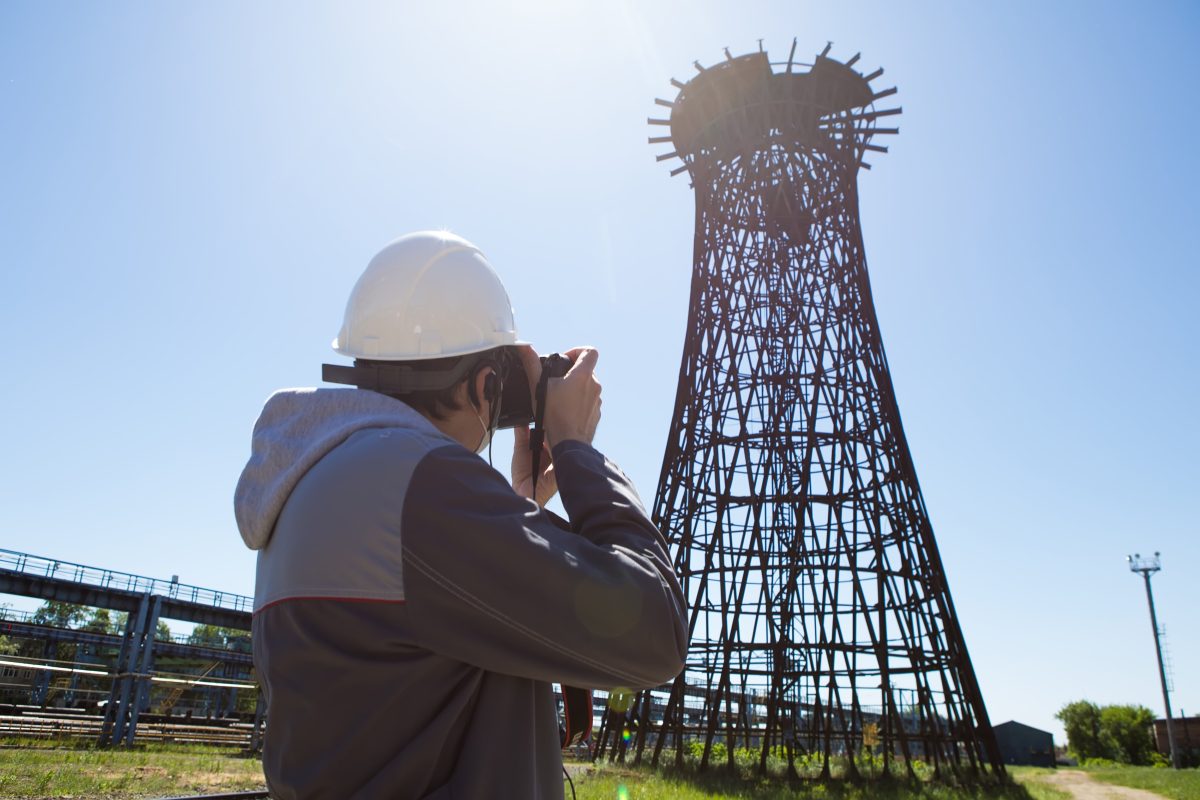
208 635
1081 720
162 632
7 646
100 621
59 614
217 636
1125 731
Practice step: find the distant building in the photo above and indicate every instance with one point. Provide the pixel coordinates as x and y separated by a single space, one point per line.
1021 744
1187 738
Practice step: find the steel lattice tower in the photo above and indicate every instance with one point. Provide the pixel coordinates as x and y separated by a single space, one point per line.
821 622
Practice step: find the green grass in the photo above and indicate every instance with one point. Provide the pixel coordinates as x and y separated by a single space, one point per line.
90 773
614 782
1178 784
1032 778
32 769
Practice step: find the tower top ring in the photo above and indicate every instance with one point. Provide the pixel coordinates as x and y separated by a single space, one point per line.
747 103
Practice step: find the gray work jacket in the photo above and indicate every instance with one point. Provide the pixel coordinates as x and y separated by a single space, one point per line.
411 611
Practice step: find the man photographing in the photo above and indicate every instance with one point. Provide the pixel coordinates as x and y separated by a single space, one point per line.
413 607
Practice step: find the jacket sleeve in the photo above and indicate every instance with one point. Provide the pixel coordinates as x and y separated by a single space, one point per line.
491 580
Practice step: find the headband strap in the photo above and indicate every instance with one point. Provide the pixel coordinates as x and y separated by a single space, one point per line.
396 378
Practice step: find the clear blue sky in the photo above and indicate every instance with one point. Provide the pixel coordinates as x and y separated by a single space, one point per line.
188 192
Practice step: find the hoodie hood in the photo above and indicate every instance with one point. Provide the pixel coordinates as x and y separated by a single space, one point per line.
296 429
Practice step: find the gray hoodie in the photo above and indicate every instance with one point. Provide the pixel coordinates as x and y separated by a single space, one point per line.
411 611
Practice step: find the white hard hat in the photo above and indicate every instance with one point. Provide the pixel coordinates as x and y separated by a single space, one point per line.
426 295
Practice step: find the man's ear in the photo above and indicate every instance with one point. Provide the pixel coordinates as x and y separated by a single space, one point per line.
484 383
492 387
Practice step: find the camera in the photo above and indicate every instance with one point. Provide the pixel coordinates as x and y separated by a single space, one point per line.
516 406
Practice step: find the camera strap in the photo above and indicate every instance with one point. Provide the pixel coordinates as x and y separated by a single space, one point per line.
537 437
575 726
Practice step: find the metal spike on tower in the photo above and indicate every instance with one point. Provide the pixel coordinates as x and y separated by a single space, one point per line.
821 621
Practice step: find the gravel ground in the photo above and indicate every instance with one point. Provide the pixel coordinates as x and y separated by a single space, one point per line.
1082 787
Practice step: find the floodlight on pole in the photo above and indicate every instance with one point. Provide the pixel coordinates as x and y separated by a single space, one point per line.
1146 567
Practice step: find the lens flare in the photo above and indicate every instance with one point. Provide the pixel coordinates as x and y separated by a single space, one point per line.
619 699
626 735
622 792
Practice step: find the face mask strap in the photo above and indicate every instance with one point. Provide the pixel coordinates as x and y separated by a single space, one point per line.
494 398
488 433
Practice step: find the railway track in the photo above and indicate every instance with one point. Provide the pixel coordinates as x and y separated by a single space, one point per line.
226 796
52 724
55 724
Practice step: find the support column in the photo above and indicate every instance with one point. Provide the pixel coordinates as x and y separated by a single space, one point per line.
131 679
41 686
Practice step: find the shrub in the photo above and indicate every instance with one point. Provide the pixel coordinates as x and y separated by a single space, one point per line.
1112 734
1126 733
1082 722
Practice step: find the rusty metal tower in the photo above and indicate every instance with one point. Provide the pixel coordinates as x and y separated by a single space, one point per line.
821 621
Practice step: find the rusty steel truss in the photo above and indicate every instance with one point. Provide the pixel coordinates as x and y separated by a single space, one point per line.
821 622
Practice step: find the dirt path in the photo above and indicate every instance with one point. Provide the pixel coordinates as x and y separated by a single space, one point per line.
1082 787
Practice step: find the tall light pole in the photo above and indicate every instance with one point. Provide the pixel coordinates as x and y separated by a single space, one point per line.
1147 567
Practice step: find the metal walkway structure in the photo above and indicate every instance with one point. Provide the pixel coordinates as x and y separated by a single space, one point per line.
20 624
145 601
52 579
821 623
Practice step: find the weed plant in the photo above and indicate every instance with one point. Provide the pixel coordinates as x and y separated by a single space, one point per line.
745 781
869 765
608 781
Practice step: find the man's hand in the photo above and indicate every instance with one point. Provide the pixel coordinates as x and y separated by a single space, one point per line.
572 412
573 401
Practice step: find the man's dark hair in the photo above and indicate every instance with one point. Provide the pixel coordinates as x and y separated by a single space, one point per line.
436 402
